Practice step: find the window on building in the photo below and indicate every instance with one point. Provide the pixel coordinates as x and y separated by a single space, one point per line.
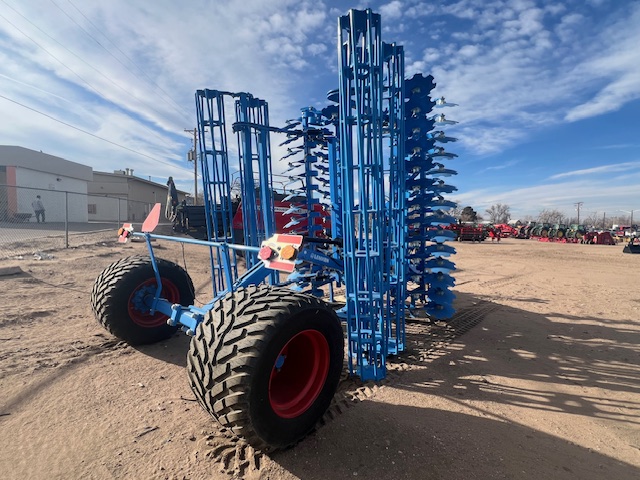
92 208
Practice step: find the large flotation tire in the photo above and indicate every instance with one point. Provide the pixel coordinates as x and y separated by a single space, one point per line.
121 295
266 364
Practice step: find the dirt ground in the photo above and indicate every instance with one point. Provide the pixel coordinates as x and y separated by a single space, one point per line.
537 377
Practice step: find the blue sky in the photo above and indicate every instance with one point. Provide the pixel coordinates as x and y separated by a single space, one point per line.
548 91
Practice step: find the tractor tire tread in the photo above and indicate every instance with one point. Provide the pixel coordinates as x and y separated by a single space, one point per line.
227 347
105 294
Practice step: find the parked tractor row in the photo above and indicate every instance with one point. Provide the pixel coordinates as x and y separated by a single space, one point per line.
545 232
560 232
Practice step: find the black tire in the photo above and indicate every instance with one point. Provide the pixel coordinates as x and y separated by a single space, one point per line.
235 370
118 293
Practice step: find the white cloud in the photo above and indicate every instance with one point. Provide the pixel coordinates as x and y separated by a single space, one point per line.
469 51
515 68
175 49
613 96
618 167
596 196
317 48
616 65
518 71
392 10
509 164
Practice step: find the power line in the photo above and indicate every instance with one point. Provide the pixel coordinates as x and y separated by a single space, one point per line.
48 52
179 108
93 134
96 91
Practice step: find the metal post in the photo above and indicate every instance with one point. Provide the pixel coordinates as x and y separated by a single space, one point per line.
66 219
578 205
194 158
631 213
195 166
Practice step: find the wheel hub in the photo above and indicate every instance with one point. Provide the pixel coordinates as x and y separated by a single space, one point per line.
141 300
299 374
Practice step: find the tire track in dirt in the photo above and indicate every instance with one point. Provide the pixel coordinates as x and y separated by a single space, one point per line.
500 282
59 367
56 355
425 342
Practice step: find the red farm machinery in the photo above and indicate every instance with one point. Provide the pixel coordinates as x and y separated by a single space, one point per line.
469 232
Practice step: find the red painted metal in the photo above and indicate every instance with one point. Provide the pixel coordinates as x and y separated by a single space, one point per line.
152 220
299 374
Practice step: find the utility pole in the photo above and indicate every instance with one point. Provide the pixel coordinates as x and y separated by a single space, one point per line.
578 205
631 212
192 156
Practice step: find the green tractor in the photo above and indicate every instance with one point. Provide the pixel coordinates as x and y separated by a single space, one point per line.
541 230
576 232
558 231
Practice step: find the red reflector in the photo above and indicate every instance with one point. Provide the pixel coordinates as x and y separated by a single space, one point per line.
265 253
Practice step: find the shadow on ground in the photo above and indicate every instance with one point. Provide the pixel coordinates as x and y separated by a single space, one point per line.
172 351
398 441
513 360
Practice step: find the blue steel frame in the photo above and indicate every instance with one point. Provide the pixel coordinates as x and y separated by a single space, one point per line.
396 212
384 194
189 317
252 128
360 58
318 188
214 165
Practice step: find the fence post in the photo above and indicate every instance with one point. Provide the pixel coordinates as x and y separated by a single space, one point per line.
66 219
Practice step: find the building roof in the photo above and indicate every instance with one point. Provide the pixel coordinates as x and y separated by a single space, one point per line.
121 174
14 156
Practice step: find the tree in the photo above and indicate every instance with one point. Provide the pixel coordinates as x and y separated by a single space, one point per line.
468 214
457 211
592 219
549 215
499 213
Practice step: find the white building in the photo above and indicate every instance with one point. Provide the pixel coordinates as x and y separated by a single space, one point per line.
61 184
121 194
71 190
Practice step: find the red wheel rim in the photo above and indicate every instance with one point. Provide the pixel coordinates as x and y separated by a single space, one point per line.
299 373
139 310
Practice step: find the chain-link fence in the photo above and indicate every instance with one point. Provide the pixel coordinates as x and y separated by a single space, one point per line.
34 220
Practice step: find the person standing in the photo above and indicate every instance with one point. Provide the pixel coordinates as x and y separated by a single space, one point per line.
38 208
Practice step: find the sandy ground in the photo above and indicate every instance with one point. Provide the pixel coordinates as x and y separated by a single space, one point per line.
537 377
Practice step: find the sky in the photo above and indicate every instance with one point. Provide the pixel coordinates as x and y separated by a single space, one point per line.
548 92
